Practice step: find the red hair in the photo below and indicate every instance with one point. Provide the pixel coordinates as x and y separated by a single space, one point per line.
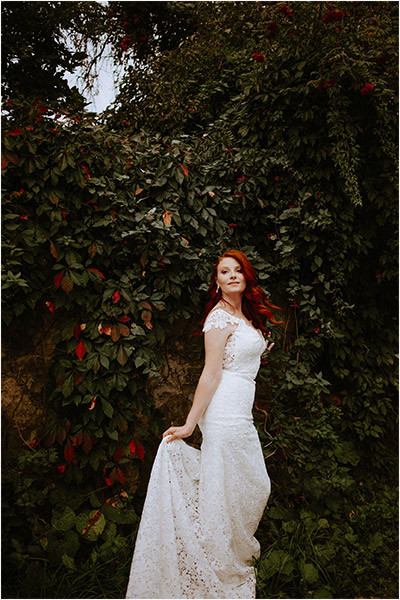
255 305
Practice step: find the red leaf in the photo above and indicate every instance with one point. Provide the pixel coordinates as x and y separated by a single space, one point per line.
77 440
61 468
108 481
146 316
15 131
132 446
115 333
80 350
116 297
113 474
106 329
124 330
51 306
96 271
167 218
120 476
78 379
4 162
87 443
77 331
67 284
53 250
86 169
124 319
117 454
58 279
184 169
140 451
69 452
42 109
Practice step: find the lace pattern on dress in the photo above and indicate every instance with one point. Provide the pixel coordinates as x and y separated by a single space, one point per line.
219 319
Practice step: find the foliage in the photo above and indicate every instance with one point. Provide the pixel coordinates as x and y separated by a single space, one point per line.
330 556
35 51
147 29
271 129
60 535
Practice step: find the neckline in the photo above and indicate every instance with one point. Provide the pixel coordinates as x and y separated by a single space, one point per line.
244 321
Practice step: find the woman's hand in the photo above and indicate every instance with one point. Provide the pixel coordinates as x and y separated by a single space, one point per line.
269 345
176 433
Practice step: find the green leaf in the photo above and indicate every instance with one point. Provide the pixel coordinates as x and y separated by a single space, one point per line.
309 572
104 361
64 520
107 407
90 531
68 562
122 357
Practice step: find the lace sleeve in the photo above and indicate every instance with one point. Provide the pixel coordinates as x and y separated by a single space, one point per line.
219 319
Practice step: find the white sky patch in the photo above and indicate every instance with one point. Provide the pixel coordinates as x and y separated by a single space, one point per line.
105 88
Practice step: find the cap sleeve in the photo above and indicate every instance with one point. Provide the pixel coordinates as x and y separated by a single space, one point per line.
219 319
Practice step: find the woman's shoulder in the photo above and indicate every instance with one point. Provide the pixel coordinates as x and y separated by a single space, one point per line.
219 318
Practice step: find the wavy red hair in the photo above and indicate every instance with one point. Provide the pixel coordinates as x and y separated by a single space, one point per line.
255 305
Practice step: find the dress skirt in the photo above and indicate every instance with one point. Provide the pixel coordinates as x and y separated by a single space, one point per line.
196 535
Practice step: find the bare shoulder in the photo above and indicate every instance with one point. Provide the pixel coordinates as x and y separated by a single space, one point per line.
220 306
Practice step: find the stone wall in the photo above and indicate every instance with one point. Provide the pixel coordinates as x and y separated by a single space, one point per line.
26 356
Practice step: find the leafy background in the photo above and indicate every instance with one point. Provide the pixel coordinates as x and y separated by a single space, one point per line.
267 127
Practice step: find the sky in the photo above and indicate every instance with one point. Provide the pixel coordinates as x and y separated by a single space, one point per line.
105 93
105 84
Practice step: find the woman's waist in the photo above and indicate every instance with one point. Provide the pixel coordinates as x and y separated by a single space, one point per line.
226 422
226 373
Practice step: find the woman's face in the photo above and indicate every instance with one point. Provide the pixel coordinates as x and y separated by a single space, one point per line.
230 277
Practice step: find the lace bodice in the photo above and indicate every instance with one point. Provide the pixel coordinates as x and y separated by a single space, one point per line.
243 347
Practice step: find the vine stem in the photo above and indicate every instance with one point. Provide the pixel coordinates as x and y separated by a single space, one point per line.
297 336
23 439
285 332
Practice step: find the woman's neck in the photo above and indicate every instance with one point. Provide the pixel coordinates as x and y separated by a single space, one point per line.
234 301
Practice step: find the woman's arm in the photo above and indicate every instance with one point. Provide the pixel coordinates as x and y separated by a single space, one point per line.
214 344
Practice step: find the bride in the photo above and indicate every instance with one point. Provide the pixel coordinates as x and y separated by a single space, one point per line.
196 535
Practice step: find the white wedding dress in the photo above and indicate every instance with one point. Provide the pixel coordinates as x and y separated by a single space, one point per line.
196 535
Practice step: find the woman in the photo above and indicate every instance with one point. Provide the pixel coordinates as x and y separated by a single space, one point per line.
196 536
